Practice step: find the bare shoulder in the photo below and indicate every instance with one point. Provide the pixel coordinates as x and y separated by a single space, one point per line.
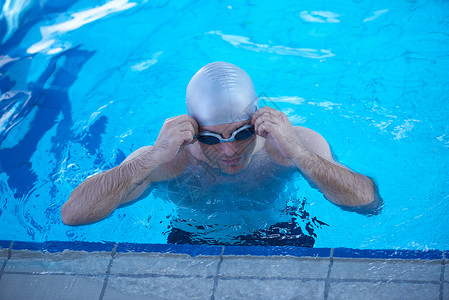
311 139
162 173
314 141
165 171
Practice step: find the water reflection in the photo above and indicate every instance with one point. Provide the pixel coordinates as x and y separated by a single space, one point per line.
244 42
49 101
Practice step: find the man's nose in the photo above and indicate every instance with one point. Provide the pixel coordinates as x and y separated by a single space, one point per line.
228 148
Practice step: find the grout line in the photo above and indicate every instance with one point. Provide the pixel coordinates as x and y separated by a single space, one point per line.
242 277
217 273
443 263
7 259
327 281
400 281
108 271
157 275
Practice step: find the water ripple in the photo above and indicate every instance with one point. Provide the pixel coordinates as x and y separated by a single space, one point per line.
245 43
320 16
376 14
76 21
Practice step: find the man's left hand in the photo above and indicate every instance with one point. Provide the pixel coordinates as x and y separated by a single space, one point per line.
277 129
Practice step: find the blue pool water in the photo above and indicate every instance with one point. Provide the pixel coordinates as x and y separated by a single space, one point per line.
83 85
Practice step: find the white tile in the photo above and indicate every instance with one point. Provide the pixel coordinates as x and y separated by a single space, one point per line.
375 291
4 253
78 262
269 289
158 288
386 269
274 267
164 264
17 286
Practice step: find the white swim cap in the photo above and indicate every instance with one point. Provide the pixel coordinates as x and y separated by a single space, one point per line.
221 93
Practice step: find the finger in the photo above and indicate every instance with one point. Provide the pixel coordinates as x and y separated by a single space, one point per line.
266 117
283 116
184 118
275 112
193 122
189 128
187 125
181 118
258 122
262 131
186 137
266 128
171 120
264 110
257 114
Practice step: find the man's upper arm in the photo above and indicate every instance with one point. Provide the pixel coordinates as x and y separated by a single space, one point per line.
164 172
314 142
138 191
136 153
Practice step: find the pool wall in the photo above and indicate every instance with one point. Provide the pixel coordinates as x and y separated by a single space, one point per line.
115 270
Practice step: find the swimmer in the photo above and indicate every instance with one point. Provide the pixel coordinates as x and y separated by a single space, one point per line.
225 130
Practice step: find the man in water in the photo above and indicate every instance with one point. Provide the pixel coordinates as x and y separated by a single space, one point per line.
226 131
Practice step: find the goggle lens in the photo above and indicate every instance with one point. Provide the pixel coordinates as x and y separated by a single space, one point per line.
242 135
208 140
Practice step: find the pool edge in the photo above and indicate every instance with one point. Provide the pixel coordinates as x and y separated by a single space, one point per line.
195 250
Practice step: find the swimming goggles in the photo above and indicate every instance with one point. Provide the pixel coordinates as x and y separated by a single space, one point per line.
211 138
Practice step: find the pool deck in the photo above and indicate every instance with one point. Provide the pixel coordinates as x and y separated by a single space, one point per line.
120 271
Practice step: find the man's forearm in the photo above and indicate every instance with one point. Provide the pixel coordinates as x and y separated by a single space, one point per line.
338 184
99 195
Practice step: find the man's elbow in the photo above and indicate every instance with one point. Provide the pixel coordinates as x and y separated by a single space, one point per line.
366 193
367 198
356 198
366 203
67 216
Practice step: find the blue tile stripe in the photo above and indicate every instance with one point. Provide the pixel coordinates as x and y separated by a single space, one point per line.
4 244
195 250
388 253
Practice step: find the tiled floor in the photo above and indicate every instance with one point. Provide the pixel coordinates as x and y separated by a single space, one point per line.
113 275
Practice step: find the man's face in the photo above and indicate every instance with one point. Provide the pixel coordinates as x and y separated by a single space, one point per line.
230 157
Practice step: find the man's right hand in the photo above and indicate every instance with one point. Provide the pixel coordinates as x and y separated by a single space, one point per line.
176 133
